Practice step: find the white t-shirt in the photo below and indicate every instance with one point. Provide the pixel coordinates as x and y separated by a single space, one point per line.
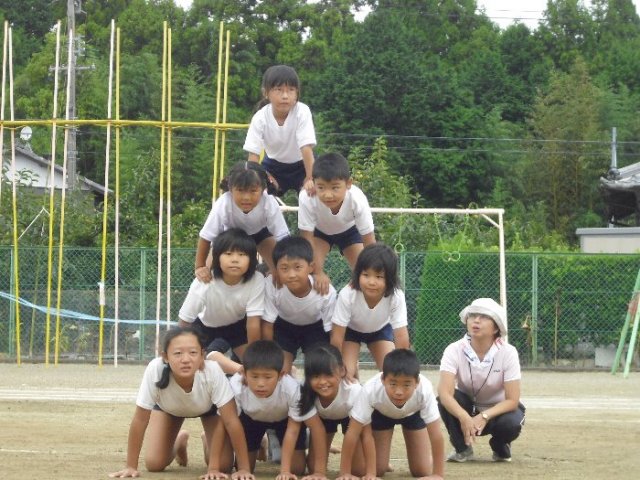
210 387
299 311
374 397
340 408
352 311
504 368
281 142
355 210
218 304
225 214
282 403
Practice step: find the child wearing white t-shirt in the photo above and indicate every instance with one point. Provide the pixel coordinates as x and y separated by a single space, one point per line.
283 127
182 384
326 388
338 214
371 309
296 316
247 205
399 395
231 305
268 399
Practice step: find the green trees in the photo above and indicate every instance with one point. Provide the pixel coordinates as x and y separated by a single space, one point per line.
469 113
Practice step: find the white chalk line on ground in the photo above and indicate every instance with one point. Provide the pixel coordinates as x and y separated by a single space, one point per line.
111 395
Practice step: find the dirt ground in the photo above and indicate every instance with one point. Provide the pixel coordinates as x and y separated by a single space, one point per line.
71 421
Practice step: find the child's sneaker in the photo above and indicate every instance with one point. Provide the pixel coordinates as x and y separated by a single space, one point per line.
273 449
461 457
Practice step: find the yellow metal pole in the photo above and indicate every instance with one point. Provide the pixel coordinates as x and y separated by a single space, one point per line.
117 203
223 138
216 176
52 191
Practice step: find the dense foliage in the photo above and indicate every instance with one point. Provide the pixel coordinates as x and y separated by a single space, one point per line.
469 114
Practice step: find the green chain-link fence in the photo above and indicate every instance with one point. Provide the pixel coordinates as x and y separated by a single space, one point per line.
561 307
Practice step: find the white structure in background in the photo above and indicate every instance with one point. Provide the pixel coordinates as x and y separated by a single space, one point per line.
39 169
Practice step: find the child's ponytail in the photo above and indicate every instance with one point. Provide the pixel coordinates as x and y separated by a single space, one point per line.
165 377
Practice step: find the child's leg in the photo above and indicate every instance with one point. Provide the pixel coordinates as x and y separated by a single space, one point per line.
288 362
379 350
350 357
265 249
298 462
418 451
382 439
351 253
165 441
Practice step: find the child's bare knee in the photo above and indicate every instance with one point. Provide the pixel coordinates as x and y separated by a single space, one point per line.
154 464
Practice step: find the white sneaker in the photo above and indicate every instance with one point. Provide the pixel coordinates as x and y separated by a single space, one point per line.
461 457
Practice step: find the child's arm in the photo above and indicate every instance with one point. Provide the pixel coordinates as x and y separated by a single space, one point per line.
348 448
202 272
266 330
401 338
307 159
134 444
369 450
253 329
227 365
368 239
319 443
229 415
437 451
253 157
288 447
337 336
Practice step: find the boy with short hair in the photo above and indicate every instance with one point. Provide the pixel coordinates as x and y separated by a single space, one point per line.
400 394
267 398
338 214
296 316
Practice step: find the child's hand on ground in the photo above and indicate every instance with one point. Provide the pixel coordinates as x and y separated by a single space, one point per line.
347 476
315 476
286 476
213 475
242 475
126 473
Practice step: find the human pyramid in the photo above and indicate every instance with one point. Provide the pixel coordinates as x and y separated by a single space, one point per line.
265 319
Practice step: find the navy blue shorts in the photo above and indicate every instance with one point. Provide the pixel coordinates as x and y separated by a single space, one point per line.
255 430
212 411
291 337
290 176
385 333
342 240
382 422
234 334
261 235
331 426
